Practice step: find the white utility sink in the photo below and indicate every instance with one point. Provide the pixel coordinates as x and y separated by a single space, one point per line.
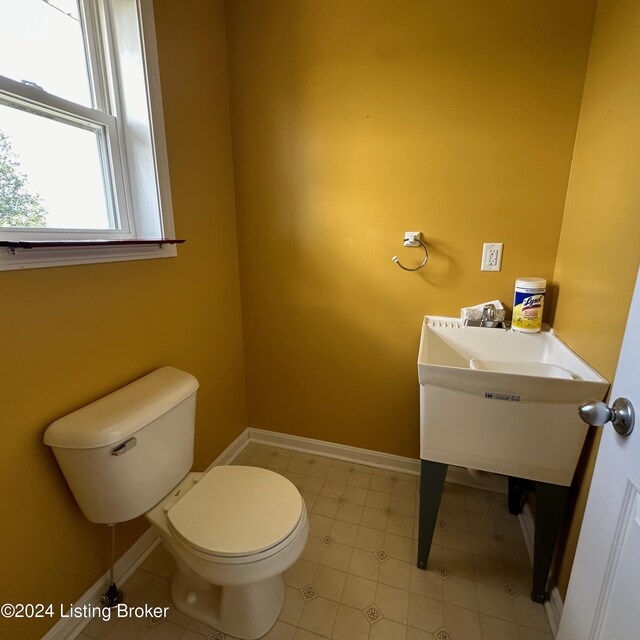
502 401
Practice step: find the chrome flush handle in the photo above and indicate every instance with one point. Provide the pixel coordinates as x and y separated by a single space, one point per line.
124 447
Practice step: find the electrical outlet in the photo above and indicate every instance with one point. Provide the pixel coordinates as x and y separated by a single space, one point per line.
491 256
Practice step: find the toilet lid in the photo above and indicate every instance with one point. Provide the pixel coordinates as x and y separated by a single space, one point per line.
237 511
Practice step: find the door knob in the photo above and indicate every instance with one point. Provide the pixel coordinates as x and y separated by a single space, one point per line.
620 413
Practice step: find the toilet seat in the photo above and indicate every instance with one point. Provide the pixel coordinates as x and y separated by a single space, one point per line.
237 513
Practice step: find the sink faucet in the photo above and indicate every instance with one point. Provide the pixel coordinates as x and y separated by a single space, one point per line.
488 315
490 318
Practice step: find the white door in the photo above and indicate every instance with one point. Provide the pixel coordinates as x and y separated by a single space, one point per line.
603 599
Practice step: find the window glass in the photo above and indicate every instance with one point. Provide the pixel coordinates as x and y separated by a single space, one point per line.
41 42
51 173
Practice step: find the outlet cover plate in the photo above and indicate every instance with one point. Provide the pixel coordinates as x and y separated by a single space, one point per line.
491 256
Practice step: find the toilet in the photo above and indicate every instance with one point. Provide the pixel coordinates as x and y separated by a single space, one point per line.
232 531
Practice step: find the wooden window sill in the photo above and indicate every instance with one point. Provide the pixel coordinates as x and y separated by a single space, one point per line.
63 244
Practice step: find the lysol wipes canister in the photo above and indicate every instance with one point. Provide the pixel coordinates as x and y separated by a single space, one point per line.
528 304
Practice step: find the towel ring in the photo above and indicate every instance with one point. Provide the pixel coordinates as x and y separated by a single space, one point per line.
426 257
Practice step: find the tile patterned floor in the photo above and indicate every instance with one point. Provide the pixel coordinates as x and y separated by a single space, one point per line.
356 579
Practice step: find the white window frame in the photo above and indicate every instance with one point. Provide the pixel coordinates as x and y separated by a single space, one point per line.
125 82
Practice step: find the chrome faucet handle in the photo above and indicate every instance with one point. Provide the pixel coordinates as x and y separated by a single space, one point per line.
488 313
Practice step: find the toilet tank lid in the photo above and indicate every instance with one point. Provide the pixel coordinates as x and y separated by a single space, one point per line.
120 414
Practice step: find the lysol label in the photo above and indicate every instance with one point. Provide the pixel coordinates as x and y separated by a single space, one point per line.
532 301
527 310
501 396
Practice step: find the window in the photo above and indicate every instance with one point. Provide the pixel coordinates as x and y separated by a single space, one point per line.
82 152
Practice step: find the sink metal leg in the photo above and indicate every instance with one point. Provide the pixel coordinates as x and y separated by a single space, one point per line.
551 500
432 476
516 494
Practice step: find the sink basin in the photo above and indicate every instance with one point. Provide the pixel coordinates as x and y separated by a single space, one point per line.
502 401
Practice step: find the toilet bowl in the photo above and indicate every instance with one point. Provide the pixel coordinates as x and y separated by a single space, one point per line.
233 531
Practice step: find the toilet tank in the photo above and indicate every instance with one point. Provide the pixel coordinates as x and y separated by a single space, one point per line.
123 453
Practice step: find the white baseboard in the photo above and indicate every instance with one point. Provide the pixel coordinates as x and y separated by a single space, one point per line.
232 451
456 475
528 527
336 451
486 481
553 606
67 628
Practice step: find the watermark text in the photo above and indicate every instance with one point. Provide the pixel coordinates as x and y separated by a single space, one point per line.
122 610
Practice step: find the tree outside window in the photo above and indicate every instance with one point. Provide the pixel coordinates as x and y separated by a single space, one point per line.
19 206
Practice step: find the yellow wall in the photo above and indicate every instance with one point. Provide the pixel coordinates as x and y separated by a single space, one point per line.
355 121
599 249
352 122
70 335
